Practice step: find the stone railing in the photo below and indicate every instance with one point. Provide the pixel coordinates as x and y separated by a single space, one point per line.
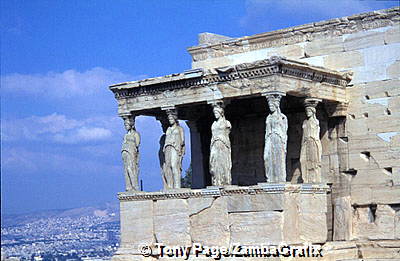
213 191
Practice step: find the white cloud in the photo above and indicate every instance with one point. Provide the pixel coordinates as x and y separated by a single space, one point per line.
18 158
53 123
263 13
66 84
59 128
93 133
83 134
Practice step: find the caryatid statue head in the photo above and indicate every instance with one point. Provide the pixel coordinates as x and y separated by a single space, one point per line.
274 103
310 107
172 117
129 122
218 111
310 111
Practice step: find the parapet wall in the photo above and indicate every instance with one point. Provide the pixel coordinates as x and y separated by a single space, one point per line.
298 42
264 214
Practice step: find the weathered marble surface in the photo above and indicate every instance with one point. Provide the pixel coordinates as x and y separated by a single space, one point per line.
373 222
320 38
367 250
275 146
171 222
256 228
174 149
137 219
342 212
130 154
220 149
210 226
220 216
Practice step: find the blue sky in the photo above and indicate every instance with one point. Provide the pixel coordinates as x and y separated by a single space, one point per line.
60 132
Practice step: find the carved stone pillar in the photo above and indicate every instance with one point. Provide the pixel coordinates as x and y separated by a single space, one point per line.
198 177
338 111
130 154
220 147
174 149
311 147
335 109
275 146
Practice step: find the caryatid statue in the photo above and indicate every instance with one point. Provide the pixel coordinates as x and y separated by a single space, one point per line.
275 140
174 149
130 154
311 147
220 149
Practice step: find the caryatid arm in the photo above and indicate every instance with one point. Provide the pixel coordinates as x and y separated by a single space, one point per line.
182 136
285 129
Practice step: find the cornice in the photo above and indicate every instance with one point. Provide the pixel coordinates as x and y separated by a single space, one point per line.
261 188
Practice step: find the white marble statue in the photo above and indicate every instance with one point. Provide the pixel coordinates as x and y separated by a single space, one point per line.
174 149
275 142
220 149
311 148
130 155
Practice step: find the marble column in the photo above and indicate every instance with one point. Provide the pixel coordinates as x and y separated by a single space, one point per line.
311 147
174 149
220 147
130 154
275 146
198 177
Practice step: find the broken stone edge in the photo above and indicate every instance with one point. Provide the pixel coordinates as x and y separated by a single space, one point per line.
298 34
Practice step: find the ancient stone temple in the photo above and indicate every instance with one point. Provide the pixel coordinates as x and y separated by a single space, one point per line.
294 140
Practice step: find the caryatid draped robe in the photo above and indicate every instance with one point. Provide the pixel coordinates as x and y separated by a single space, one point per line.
130 157
220 153
311 151
275 147
174 149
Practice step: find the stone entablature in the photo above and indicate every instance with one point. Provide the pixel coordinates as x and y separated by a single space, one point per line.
297 34
247 79
212 191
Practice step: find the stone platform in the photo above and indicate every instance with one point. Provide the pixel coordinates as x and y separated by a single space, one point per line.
263 214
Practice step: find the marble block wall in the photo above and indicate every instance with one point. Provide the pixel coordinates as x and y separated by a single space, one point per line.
255 215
